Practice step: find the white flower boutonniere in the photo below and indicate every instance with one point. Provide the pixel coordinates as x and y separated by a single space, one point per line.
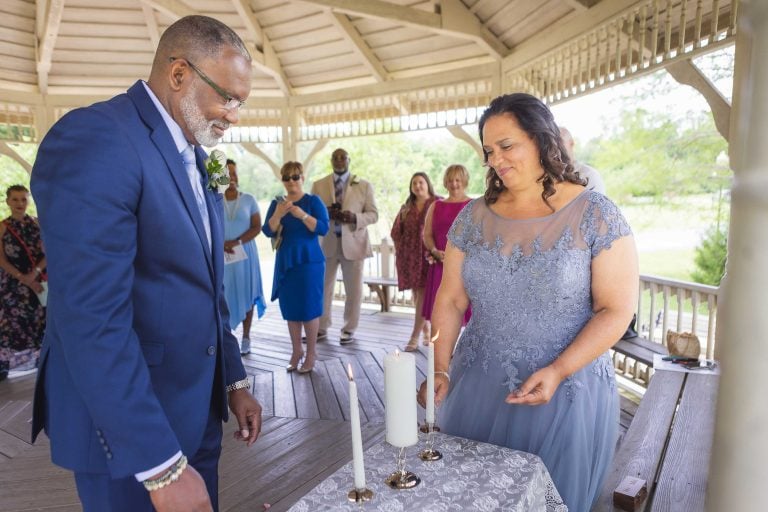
215 166
355 180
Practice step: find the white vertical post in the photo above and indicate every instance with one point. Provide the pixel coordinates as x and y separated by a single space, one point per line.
741 441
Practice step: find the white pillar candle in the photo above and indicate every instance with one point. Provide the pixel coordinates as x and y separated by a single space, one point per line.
400 399
430 416
358 465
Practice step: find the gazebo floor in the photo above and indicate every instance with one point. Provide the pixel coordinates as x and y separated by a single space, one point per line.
304 438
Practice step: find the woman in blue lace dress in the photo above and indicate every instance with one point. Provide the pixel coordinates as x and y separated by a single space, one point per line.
551 272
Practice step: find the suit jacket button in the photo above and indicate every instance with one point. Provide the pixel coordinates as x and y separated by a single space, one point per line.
109 455
98 432
211 350
103 441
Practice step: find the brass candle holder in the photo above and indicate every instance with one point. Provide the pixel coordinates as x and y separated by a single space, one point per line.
360 495
402 479
429 454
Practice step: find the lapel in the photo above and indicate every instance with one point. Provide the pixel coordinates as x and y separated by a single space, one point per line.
213 200
163 141
347 187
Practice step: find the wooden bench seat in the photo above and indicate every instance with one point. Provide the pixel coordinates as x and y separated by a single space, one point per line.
380 286
668 444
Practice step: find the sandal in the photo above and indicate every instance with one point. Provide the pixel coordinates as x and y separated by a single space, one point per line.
412 346
426 331
293 366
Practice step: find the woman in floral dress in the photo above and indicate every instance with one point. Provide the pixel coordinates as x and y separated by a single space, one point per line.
410 253
22 317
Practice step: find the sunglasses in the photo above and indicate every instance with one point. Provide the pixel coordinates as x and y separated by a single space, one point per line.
294 177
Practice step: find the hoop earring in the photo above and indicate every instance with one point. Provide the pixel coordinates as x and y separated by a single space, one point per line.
497 183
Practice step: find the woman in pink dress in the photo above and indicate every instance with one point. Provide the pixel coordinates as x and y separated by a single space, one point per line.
410 253
439 218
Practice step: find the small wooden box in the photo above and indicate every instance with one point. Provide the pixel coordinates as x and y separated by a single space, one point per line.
630 493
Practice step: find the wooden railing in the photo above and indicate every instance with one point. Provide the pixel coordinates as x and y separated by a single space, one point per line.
663 304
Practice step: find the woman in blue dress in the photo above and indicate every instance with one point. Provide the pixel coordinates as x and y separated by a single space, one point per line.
296 221
550 269
242 278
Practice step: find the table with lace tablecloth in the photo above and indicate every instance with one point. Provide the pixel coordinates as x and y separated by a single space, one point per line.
470 476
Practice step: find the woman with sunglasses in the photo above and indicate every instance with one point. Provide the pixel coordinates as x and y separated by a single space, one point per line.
297 221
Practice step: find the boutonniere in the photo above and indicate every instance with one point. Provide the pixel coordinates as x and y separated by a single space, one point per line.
218 175
355 180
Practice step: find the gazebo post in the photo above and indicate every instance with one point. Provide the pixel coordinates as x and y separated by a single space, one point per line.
740 443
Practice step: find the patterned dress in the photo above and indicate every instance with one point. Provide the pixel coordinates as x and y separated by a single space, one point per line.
530 286
22 318
410 253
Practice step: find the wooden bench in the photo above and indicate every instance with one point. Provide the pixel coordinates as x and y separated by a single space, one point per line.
380 286
668 444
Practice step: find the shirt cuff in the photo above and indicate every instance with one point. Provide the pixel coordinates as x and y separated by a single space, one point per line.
157 469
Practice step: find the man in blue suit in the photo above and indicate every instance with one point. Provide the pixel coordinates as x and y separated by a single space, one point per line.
138 364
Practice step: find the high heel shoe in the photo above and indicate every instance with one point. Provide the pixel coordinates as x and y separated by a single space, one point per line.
294 366
306 368
412 346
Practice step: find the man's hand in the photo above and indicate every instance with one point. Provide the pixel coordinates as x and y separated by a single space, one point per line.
334 212
188 493
347 217
247 411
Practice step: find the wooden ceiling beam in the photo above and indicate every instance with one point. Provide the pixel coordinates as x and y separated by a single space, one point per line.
151 21
174 9
270 64
374 65
454 19
46 41
581 5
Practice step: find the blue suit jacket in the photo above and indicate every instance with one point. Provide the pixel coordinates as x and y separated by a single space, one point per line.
137 351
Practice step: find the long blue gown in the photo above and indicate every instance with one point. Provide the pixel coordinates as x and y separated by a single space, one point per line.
242 279
529 282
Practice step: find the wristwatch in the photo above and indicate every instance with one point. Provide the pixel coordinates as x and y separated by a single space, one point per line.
304 217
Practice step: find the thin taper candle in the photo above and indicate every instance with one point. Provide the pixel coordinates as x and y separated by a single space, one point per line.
358 465
430 416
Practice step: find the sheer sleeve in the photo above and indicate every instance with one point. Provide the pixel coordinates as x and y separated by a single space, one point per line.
460 232
603 223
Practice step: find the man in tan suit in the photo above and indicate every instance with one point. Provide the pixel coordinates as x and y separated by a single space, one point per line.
351 208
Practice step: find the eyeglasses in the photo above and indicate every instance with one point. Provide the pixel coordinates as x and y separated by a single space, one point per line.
294 177
230 102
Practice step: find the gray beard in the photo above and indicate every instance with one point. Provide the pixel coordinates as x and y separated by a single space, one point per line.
193 117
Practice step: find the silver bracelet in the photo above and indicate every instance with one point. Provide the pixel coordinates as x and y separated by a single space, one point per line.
241 384
446 375
306 215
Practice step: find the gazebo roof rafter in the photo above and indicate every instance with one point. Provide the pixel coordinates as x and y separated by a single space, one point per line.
318 63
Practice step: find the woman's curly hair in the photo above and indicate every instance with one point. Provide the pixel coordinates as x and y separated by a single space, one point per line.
535 119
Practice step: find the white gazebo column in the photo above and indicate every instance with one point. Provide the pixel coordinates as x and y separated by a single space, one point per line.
738 469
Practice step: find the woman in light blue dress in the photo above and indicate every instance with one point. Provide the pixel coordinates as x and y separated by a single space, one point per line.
242 279
550 269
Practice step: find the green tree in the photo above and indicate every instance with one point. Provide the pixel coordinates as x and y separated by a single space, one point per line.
710 257
653 155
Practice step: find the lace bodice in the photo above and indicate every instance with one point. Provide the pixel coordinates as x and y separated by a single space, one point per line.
529 282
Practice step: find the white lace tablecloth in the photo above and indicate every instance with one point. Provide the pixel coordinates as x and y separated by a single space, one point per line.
470 476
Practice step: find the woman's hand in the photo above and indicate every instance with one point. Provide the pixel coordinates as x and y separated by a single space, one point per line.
283 208
441 390
230 244
30 280
297 212
537 389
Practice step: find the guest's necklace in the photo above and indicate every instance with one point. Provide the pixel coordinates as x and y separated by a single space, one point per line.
232 210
